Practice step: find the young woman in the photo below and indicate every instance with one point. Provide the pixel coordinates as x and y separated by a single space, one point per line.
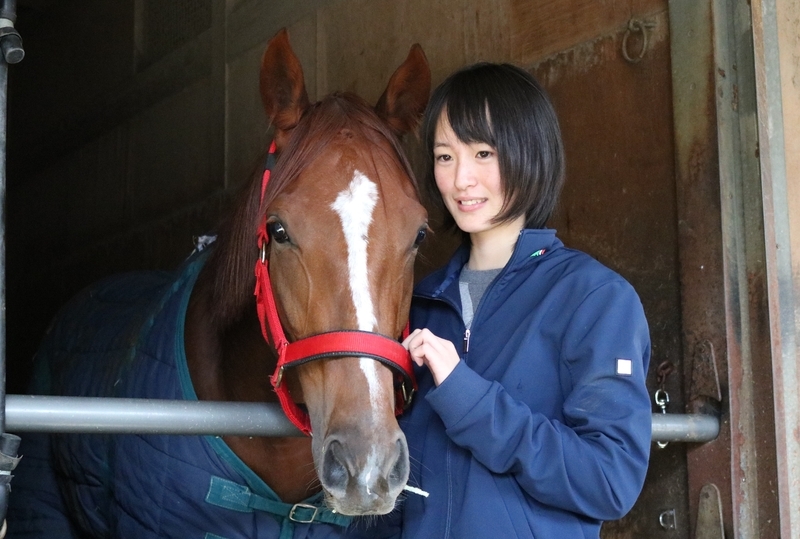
532 418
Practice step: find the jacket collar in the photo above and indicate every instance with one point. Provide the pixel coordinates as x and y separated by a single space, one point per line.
531 246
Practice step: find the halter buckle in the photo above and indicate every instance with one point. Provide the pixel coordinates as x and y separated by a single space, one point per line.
408 394
279 378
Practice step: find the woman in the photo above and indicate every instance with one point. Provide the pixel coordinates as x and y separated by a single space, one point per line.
532 418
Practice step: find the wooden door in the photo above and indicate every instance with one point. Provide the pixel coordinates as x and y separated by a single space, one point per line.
619 205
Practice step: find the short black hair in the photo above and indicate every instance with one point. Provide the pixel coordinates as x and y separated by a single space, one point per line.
504 106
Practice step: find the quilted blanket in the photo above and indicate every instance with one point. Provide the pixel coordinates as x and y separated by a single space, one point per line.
124 338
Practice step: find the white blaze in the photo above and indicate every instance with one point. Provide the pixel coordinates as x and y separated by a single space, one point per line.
354 206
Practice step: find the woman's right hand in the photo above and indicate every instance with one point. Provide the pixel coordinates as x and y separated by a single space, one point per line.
438 354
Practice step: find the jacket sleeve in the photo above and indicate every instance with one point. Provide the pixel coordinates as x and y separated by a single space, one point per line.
594 461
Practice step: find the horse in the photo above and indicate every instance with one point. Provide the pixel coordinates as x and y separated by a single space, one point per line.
332 228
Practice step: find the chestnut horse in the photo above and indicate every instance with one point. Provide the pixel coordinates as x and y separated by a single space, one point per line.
332 229
345 224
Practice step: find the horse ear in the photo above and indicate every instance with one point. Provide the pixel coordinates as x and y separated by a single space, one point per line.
283 89
406 96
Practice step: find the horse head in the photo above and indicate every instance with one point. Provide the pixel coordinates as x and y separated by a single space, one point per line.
344 222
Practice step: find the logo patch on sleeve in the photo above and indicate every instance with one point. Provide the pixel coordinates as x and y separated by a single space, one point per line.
624 367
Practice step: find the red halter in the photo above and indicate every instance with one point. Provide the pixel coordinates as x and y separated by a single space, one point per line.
324 345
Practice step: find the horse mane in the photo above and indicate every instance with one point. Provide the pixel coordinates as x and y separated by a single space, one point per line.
230 265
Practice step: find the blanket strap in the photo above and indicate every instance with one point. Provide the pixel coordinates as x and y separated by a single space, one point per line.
236 497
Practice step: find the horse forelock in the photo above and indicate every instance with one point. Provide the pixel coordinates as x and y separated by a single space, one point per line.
319 126
231 266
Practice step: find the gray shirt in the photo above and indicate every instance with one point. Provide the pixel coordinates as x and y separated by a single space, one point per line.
473 284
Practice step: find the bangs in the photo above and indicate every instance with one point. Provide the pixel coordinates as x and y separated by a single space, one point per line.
469 125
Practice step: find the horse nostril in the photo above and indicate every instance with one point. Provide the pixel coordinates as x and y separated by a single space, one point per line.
334 470
398 475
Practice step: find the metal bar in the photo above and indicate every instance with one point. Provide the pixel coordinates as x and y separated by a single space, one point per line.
32 413
696 428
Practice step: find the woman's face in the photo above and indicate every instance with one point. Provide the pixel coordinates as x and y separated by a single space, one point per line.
468 177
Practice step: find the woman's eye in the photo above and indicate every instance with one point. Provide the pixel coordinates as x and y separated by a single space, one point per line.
443 158
484 154
277 232
421 234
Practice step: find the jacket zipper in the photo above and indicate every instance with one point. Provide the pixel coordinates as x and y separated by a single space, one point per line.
467 332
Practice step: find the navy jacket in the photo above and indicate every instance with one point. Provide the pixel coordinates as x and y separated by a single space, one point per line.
543 430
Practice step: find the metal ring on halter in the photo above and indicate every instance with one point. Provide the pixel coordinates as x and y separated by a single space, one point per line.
408 394
263 255
279 377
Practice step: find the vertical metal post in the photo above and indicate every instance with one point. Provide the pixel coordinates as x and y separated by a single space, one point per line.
3 101
700 240
11 46
777 49
750 385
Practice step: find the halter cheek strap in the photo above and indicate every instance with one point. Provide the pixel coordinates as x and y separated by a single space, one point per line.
324 345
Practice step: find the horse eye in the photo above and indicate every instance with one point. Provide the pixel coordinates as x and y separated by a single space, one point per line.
277 232
421 233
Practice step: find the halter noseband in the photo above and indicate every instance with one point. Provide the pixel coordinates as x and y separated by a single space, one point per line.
332 344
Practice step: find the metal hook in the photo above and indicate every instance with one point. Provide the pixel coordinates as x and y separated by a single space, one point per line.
661 399
635 25
667 519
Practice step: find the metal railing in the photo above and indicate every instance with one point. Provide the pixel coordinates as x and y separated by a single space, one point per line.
29 413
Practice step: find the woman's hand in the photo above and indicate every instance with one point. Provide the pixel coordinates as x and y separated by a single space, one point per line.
438 354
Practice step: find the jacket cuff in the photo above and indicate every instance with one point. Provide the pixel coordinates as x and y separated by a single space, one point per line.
454 398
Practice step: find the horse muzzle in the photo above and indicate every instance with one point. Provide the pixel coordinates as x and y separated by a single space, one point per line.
362 478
